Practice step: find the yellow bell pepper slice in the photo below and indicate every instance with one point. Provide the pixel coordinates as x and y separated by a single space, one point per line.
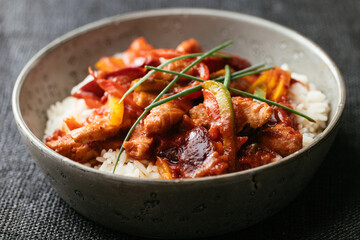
163 168
110 64
277 82
283 83
116 111
261 80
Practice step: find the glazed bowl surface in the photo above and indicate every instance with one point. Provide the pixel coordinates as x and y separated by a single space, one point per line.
185 208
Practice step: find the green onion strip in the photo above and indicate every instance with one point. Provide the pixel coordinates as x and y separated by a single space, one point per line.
149 74
199 59
243 93
235 75
227 76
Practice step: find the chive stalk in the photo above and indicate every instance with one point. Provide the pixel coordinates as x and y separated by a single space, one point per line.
199 59
243 93
227 76
149 74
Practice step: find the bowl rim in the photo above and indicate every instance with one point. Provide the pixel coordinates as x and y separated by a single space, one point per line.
26 132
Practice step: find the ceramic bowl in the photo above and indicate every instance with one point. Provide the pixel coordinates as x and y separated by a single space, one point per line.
184 208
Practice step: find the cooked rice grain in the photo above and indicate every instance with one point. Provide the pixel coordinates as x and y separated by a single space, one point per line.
127 166
310 102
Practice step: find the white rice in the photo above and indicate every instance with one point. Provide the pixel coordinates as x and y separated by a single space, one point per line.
311 102
126 166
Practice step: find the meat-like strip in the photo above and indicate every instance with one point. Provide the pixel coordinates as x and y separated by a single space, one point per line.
66 146
98 127
199 116
250 112
143 99
163 117
139 145
96 131
281 139
246 111
80 152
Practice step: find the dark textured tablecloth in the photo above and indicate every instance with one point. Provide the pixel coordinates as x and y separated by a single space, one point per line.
329 208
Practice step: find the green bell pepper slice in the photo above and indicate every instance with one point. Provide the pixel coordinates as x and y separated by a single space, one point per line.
226 120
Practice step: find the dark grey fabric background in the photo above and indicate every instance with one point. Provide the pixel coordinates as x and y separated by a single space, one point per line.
329 208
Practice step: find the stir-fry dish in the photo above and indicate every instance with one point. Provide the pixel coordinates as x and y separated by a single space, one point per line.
182 113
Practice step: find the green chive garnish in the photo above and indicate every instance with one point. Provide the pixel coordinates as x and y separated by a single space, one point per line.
243 73
233 76
175 73
243 93
256 66
149 74
175 96
201 57
227 79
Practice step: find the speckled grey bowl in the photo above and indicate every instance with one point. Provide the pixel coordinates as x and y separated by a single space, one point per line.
173 208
